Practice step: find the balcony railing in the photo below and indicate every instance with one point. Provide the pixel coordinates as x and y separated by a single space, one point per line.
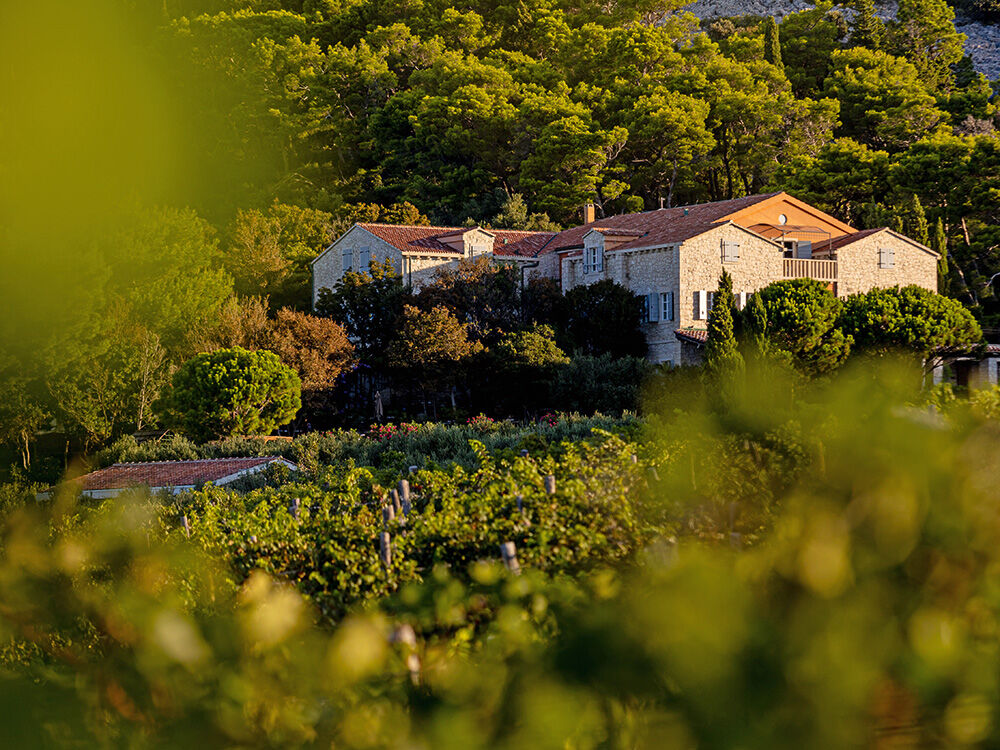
807 268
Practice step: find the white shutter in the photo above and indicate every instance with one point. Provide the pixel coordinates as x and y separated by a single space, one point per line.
741 300
364 257
891 257
804 249
700 305
654 307
348 258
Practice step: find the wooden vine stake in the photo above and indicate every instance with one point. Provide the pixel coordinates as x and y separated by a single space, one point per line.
388 514
404 496
295 508
509 554
394 499
550 484
187 526
385 549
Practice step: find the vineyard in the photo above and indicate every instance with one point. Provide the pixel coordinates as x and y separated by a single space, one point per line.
812 565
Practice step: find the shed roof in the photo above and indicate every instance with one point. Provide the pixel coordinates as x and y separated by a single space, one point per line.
169 473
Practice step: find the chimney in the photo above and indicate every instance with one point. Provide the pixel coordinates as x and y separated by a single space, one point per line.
589 213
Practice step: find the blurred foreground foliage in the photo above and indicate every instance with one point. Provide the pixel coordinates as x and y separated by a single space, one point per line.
788 565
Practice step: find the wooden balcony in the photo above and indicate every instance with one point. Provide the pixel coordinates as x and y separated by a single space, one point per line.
807 268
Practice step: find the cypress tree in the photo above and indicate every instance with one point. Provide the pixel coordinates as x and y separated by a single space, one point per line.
915 220
939 243
754 328
722 356
867 29
772 43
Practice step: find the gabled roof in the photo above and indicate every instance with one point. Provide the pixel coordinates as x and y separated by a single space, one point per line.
155 474
422 239
662 226
849 239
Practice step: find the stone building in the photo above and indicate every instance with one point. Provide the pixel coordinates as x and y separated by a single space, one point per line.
672 257
418 252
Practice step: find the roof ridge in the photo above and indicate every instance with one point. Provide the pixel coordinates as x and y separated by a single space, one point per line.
187 460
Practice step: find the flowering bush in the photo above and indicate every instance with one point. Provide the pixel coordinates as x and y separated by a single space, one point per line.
385 431
549 420
481 422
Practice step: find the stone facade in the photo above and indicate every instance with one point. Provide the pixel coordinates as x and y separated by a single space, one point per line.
681 270
858 267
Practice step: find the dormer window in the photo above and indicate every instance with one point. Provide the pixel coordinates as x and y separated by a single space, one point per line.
593 259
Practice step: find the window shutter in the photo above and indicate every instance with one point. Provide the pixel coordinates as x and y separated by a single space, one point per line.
891 257
654 307
696 313
804 249
667 304
736 251
364 256
711 302
598 258
586 260
742 300
348 258
645 306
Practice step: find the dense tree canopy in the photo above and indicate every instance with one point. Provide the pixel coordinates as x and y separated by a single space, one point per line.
233 392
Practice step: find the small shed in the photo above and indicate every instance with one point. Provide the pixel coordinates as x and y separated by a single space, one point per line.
171 476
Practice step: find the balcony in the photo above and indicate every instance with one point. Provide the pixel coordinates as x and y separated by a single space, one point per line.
807 268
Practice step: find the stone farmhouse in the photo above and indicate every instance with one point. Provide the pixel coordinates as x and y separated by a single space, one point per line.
672 257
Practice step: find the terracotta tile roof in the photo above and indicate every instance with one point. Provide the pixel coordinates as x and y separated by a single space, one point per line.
410 238
692 335
168 473
993 349
848 239
664 225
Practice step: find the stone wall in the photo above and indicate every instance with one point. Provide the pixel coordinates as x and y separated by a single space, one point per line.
858 265
328 269
759 264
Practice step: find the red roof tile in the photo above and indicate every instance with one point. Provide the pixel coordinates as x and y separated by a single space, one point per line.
692 335
848 239
664 225
168 473
409 238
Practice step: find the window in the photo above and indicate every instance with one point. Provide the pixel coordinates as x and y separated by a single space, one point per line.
476 250
782 219
711 300
789 246
700 305
804 249
348 259
593 259
667 305
886 257
653 307
364 258
730 251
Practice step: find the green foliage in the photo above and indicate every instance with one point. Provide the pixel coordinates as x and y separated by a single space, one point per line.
368 304
652 608
867 29
933 327
233 392
883 101
604 318
772 45
431 346
605 383
269 252
722 357
924 32
915 221
802 317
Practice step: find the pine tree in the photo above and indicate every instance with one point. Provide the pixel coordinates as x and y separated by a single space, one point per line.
867 29
772 43
939 243
722 357
915 220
